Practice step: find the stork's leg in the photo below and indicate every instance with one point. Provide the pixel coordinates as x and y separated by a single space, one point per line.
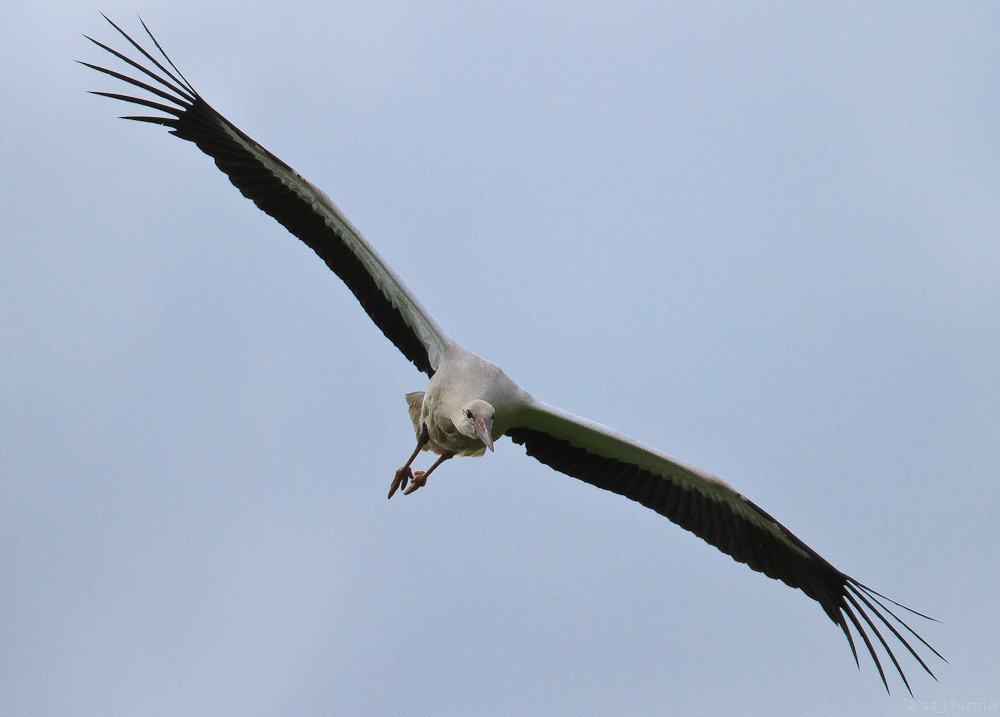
404 474
420 477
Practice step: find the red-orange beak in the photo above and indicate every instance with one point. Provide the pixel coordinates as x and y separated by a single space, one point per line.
484 429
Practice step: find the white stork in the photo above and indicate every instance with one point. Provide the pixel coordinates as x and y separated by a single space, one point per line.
469 403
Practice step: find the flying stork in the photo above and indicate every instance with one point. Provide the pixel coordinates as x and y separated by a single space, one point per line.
470 403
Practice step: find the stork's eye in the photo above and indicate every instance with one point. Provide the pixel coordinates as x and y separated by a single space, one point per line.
468 413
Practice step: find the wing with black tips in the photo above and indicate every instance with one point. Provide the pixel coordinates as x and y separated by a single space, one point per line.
712 510
284 194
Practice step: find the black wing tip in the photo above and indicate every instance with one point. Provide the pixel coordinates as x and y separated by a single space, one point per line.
897 604
867 605
176 83
840 587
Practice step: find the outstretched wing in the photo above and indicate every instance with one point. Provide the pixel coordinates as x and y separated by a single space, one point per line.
709 508
281 192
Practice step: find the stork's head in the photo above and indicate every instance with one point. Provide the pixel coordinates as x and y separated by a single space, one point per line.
477 420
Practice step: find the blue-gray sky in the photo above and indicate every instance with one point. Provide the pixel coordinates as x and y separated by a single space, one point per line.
762 237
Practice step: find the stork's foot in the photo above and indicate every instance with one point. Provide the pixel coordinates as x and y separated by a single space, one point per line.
419 480
403 476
